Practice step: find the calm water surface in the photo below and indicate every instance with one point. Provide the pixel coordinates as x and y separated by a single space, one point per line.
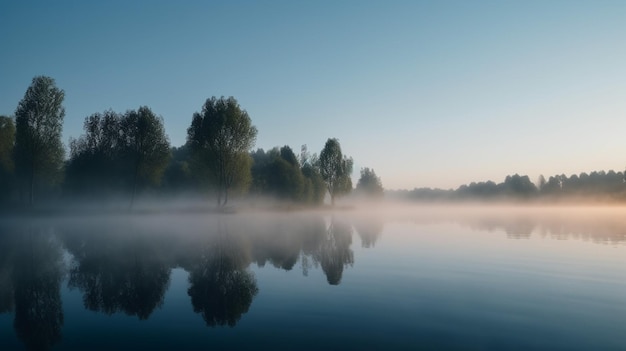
420 278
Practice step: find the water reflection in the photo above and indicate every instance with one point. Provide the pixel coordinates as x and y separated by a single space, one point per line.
369 229
118 269
6 272
595 224
221 289
334 253
35 262
123 264
281 242
607 228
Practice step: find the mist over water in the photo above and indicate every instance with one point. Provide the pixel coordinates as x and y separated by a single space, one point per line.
360 277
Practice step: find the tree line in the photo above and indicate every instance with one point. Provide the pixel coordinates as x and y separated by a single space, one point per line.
596 185
123 154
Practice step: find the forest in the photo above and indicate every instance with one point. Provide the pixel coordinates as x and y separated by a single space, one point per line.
596 186
128 155
123 156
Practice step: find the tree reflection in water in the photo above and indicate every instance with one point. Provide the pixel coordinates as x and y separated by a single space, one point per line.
6 271
334 253
118 268
38 270
221 288
369 229
123 264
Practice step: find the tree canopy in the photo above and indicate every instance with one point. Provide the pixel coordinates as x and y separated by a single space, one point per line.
38 125
147 146
125 153
335 169
222 134
370 184
7 142
96 156
119 151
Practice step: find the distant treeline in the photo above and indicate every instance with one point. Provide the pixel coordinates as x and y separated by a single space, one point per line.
597 185
122 155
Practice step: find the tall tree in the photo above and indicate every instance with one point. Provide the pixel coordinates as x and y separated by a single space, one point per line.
146 145
223 134
7 141
39 122
95 157
314 188
369 183
335 169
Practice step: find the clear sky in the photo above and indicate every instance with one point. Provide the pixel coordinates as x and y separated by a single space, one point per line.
427 93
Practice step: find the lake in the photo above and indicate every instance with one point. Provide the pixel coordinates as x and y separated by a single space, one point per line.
432 278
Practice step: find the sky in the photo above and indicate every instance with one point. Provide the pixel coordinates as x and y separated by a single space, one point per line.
427 93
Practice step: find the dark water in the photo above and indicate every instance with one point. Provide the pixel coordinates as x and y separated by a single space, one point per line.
419 278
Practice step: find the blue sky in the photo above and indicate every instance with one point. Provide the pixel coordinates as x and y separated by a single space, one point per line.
427 93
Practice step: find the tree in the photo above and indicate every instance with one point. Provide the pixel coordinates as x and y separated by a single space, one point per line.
146 146
517 185
314 187
119 151
370 184
95 157
335 169
39 122
7 139
278 173
7 142
222 134
178 176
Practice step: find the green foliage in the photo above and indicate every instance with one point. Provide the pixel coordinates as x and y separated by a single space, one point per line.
145 145
278 173
335 169
178 175
369 184
7 142
315 187
594 186
96 157
518 185
118 151
285 176
222 134
39 122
